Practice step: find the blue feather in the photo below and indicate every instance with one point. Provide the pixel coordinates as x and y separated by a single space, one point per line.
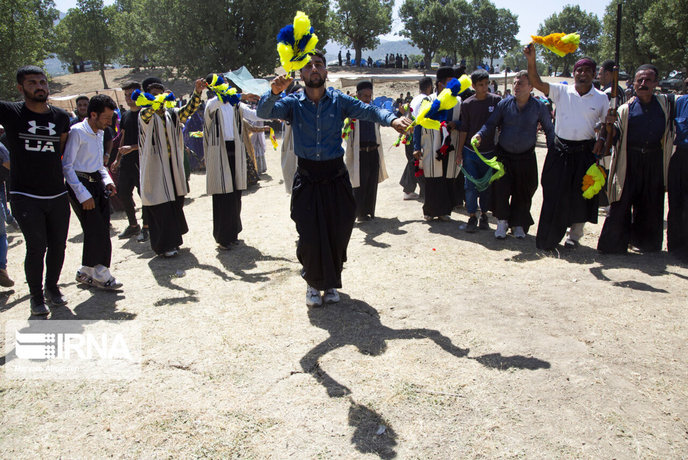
304 41
454 86
286 35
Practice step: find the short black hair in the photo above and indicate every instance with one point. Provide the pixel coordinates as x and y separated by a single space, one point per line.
425 83
156 85
28 70
320 54
459 70
608 65
131 84
365 84
145 84
80 98
99 103
479 75
647 67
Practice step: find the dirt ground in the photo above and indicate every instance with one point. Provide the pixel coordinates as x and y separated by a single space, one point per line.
445 345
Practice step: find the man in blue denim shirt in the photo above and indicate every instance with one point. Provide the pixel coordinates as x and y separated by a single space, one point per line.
322 203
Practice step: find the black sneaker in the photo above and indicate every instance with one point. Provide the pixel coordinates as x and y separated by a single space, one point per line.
143 236
484 224
38 307
472 225
54 297
129 232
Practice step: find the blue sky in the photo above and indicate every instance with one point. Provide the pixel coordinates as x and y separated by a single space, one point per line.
531 13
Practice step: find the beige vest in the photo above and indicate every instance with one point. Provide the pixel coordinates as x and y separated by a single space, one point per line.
155 172
218 174
353 156
617 169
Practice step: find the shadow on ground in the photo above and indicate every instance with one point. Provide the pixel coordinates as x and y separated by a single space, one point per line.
356 323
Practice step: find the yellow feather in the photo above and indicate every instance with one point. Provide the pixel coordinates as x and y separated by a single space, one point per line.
302 25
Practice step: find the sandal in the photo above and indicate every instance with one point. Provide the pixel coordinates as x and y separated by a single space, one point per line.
84 279
110 285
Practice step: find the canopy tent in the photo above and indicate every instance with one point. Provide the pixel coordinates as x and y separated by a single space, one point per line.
245 81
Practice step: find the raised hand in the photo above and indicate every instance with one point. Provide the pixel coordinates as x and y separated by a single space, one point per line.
280 83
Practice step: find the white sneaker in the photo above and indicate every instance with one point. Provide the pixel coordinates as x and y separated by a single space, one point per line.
171 253
331 296
518 232
313 298
410 196
502 227
428 218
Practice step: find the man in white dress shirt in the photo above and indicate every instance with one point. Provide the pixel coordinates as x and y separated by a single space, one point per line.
581 110
90 186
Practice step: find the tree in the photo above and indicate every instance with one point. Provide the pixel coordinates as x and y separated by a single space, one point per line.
632 52
516 60
193 39
572 19
358 23
502 35
26 30
430 25
130 27
666 33
476 34
88 32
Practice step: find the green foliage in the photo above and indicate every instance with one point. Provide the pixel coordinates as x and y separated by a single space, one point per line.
430 25
515 59
666 33
88 32
193 39
358 23
503 34
131 30
632 52
652 31
571 19
25 35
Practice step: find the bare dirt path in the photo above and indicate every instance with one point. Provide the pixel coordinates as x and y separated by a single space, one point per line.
445 345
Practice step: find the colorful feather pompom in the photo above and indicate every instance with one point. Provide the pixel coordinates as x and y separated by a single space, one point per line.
559 43
273 139
593 181
296 42
348 127
221 88
432 113
148 100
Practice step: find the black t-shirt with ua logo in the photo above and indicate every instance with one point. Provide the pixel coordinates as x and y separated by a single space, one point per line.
34 145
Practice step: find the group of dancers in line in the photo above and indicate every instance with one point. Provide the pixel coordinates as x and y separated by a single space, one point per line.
332 184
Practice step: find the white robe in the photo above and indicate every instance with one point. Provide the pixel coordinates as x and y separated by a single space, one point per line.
156 175
218 175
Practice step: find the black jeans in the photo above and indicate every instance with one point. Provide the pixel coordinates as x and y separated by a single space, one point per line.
128 180
44 224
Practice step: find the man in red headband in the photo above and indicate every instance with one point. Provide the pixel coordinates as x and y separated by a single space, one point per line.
581 110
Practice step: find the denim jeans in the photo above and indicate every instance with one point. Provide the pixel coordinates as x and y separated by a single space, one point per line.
477 169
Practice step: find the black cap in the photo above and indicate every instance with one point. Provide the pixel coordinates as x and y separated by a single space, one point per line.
148 81
445 72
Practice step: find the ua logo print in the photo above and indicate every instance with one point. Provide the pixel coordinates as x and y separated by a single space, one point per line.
33 127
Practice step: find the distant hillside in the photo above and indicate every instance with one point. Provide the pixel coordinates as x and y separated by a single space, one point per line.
386 47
